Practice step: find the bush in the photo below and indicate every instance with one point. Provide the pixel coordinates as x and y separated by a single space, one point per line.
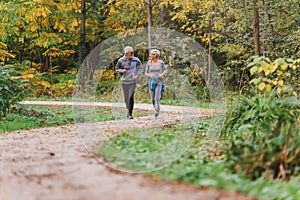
281 74
264 136
11 90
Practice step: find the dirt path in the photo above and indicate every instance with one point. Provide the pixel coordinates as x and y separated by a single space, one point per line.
53 163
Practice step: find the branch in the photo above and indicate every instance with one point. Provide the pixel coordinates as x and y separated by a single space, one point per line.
152 4
233 38
89 8
155 2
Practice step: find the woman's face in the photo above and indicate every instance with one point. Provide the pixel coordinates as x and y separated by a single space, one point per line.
152 56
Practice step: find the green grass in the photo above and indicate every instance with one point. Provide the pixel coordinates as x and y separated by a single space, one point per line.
16 122
31 116
28 117
126 151
37 116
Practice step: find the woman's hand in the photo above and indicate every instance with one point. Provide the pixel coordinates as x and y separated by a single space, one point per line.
151 75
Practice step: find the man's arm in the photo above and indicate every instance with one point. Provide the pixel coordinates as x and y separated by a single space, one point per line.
139 69
119 67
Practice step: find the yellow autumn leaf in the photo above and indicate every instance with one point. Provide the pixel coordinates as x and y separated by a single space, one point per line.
74 23
295 94
34 27
280 83
22 11
28 76
267 72
21 40
275 82
253 70
45 84
284 66
265 66
268 88
273 67
261 86
279 90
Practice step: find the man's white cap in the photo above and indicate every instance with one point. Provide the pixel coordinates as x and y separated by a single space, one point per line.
127 49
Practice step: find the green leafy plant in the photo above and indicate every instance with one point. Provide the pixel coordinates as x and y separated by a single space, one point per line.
214 172
263 132
11 90
281 74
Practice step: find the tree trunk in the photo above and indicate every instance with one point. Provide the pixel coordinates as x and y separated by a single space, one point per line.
256 29
45 63
268 4
209 51
150 24
82 43
161 20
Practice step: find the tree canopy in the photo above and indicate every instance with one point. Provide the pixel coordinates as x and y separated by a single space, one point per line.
50 33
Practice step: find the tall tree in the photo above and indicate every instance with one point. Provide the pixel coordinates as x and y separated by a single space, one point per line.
149 8
150 5
256 29
82 43
39 31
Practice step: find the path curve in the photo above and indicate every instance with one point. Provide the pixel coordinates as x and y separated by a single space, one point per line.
53 164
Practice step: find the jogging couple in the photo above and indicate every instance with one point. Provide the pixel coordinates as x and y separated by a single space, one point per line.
131 68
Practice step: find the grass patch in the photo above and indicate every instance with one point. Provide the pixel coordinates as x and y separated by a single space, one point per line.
28 117
129 151
31 116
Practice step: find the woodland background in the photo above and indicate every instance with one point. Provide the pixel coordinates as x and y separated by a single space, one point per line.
41 38
255 45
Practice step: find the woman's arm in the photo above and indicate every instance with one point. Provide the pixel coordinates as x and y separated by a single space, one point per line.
164 69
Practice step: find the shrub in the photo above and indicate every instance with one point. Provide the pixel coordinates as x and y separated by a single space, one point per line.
264 136
281 74
11 90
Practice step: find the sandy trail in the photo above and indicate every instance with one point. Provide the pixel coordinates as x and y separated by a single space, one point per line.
54 164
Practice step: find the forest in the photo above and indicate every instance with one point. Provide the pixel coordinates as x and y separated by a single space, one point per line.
253 47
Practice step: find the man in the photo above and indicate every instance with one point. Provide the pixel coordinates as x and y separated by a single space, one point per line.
130 68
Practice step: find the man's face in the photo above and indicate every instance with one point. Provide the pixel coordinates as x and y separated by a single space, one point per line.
129 54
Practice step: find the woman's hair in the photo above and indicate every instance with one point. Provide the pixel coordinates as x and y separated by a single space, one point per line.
155 51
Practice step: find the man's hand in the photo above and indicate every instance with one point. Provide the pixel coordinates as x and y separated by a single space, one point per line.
134 77
123 71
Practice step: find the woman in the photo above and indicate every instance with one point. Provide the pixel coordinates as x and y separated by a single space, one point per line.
155 71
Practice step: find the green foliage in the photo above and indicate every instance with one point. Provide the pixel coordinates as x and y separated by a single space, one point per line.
263 132
11 90
192 168
282 74
52 84
47 32
4 54
39 30
128 146
106 83
28 117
